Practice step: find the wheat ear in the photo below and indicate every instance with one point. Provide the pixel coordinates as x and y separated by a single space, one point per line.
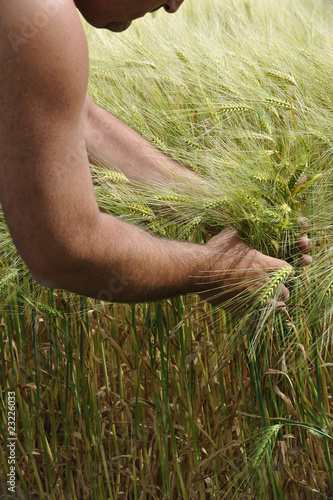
276 279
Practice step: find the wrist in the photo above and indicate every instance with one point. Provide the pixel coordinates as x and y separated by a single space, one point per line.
202 278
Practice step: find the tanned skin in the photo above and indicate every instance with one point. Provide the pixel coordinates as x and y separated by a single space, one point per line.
50 129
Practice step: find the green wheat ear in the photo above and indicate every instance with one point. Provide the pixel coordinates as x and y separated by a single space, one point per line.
329 292
191 227
235 109
9 277
265 125
193 144
46 310
282 77
278 102
143 210
158 142
157 228
267 441
115 177
276 279
218 203
173 197
182 56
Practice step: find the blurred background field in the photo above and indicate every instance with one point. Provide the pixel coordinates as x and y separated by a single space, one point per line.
176 399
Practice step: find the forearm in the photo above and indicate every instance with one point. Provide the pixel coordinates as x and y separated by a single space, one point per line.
110 142
123 263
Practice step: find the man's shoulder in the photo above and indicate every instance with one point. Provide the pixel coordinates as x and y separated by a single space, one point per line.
38 11
23 22
43 48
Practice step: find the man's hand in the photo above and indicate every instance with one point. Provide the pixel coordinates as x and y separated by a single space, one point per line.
237 272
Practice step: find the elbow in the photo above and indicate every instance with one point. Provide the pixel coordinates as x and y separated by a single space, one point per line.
64 257
61 255
44 278
50 276
54 271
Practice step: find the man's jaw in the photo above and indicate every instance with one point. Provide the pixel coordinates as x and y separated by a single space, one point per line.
118 27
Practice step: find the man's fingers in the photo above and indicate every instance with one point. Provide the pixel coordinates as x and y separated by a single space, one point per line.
304 224
301 180
278 305
304 244
283 293
306 260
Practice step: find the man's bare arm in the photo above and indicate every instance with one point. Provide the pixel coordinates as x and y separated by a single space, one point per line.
110 142
46 188
47 193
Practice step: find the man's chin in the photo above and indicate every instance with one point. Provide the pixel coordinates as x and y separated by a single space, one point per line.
118 27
